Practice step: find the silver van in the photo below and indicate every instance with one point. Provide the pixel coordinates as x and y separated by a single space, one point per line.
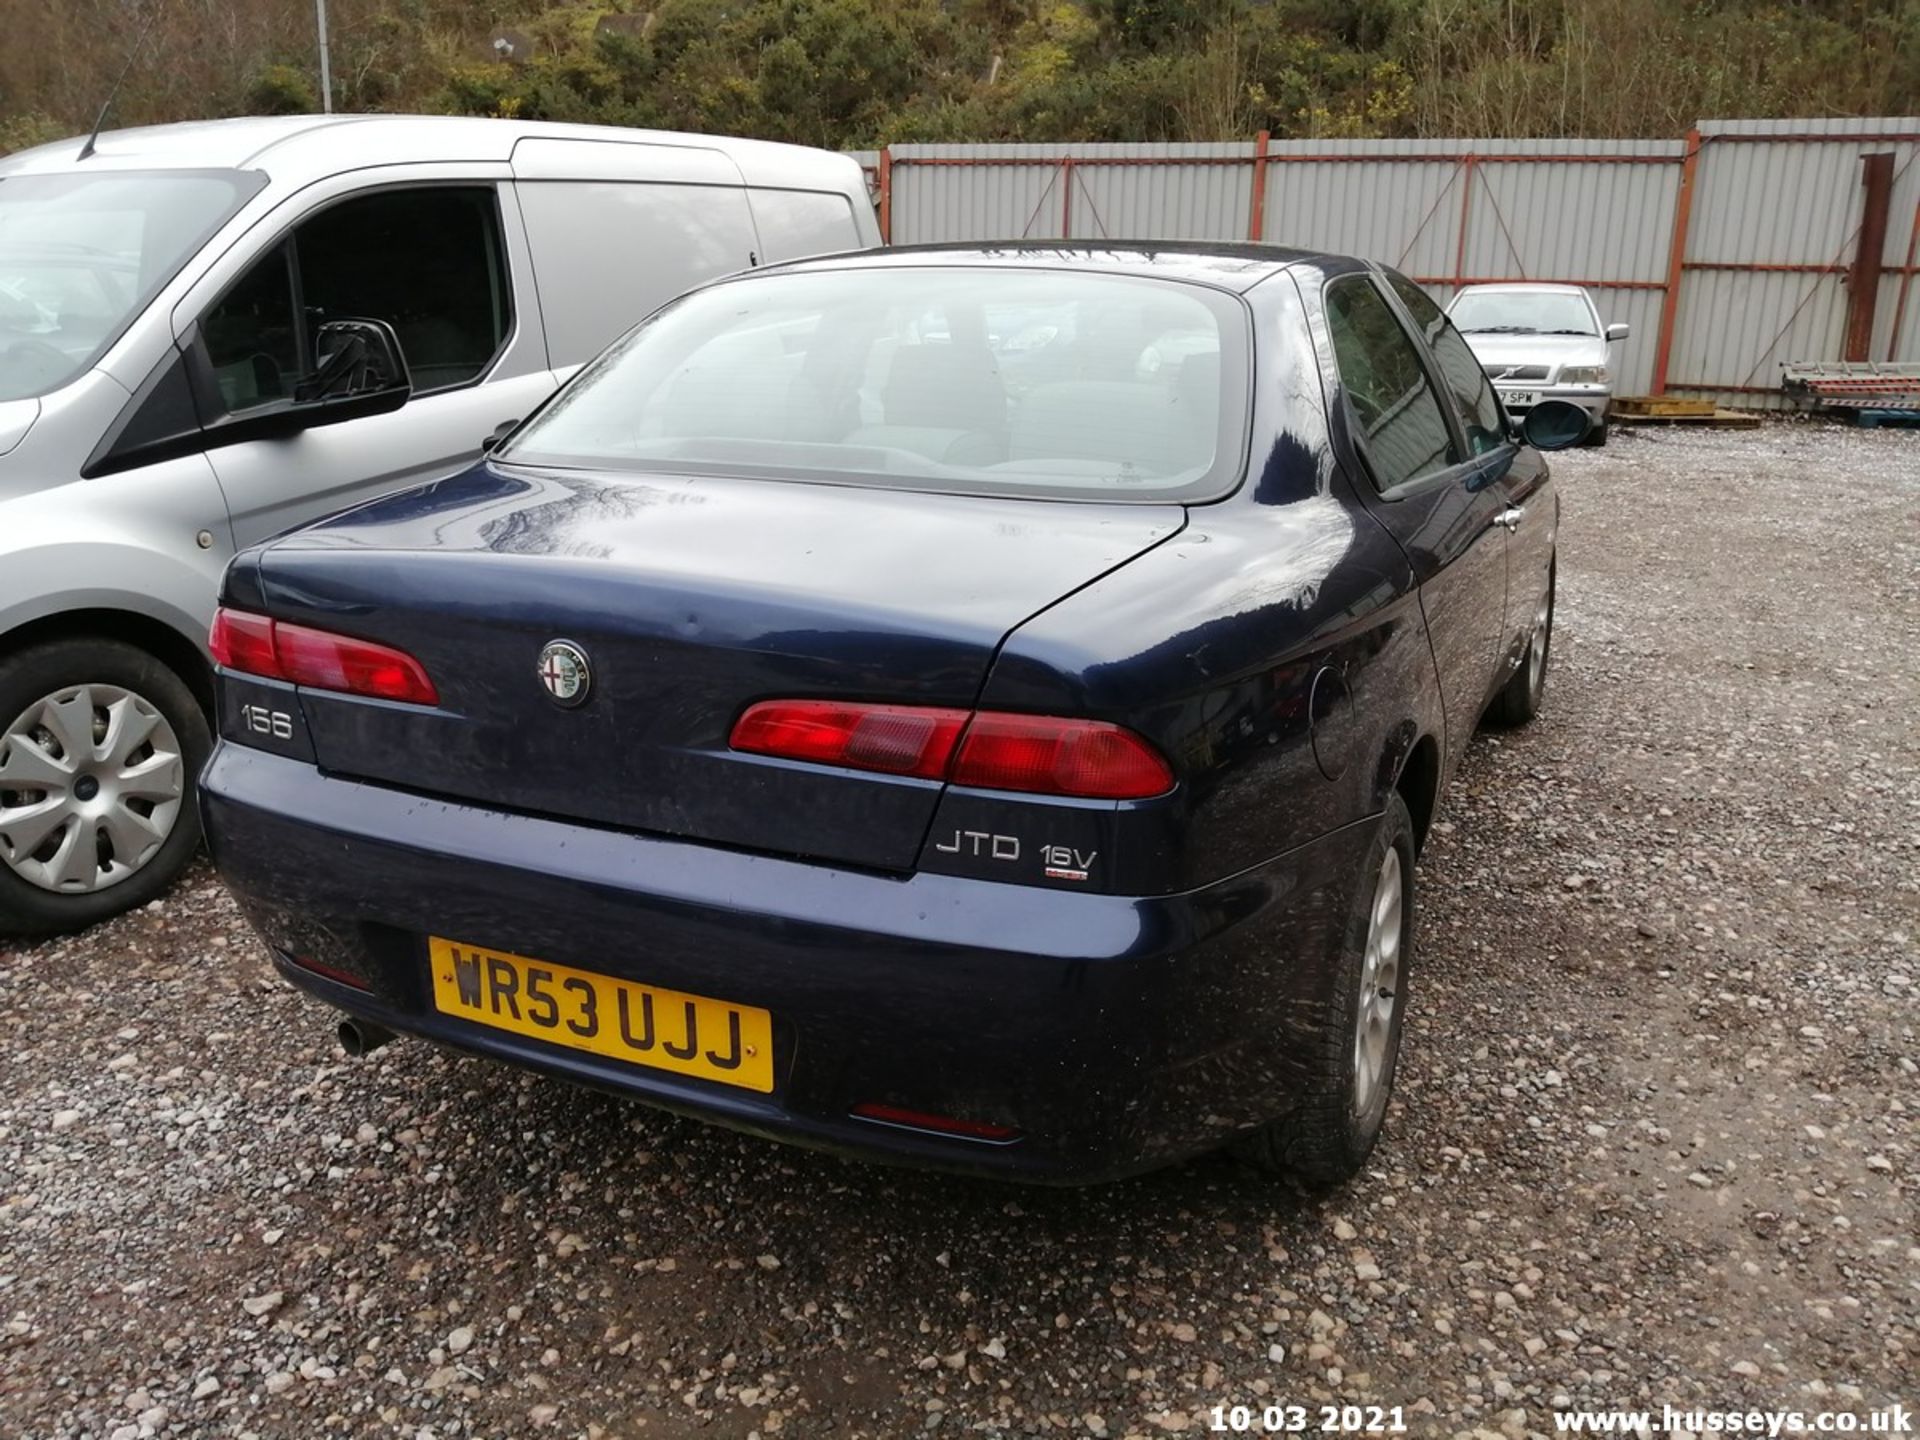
210 333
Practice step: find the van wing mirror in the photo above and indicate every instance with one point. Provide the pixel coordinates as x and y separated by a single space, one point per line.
359 371
1618 331
183 410
354 359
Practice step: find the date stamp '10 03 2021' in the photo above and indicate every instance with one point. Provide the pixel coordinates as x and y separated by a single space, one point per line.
1308 1420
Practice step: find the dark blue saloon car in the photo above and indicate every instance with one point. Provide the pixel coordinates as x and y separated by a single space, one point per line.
978 707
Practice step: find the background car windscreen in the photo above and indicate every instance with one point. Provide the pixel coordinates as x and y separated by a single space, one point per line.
1005 382
1522 312
81 254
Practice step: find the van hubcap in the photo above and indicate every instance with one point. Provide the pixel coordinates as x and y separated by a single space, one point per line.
91 783
1379 985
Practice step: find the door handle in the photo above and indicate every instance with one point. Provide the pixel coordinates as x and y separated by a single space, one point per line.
1511 517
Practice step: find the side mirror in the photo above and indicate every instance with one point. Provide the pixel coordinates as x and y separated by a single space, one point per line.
359 371
353 359
1617 331
500 432
1555 425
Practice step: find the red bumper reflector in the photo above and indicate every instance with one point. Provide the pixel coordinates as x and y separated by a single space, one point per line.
984 749
328 972
940 1124
276 650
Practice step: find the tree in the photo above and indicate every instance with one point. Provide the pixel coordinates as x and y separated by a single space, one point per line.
858 73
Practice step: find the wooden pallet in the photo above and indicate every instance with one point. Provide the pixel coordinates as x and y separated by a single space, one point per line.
1660 407
1713 417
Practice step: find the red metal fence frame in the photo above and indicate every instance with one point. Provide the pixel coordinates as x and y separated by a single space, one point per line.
1469 162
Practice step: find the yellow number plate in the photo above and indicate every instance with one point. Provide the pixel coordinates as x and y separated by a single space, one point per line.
664 1029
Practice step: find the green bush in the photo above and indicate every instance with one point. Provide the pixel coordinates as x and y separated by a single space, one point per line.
282 90
23 132
859 73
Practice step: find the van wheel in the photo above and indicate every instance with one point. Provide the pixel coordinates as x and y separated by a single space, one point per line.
1349 1045
100 745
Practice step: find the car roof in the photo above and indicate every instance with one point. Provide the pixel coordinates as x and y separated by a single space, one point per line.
298 149
1225 265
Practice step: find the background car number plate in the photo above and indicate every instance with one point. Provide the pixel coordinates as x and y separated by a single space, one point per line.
1518 397
641 1024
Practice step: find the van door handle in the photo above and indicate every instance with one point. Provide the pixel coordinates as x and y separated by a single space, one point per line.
1511 517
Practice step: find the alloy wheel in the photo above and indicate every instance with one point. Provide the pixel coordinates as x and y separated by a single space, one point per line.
1537 650
91 784
1379 984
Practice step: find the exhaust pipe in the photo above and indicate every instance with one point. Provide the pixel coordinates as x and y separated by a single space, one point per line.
362 1037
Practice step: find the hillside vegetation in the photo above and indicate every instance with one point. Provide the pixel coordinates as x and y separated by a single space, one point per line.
849 73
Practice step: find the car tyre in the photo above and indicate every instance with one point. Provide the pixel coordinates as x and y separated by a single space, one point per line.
119 680
1519 699
1349 1021
1597 436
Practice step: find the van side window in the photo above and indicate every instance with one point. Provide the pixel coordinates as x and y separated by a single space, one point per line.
608 253
1387 387
428 261
1465 377
794 224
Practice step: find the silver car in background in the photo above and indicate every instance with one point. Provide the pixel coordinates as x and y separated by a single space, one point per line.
1541 342
210 333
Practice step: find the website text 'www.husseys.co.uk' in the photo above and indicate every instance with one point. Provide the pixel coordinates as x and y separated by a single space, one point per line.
1671 1420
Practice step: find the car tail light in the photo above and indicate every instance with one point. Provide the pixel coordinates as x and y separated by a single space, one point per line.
986 749
939 1124
244 642
255 645
1040 755
896 739
359 667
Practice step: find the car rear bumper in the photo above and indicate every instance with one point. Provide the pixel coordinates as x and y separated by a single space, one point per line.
1114 1033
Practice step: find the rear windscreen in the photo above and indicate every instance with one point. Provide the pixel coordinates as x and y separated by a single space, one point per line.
1022 382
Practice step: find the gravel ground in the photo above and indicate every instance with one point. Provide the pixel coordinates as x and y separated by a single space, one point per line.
1655 1139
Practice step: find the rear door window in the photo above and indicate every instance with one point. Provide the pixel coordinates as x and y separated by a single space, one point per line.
1400 419
1466 379
427 261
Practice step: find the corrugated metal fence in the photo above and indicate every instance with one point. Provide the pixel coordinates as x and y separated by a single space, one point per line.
1729 252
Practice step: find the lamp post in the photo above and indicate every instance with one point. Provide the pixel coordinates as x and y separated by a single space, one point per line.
326 61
